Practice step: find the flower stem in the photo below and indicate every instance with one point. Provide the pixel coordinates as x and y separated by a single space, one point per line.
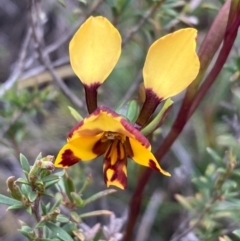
187 109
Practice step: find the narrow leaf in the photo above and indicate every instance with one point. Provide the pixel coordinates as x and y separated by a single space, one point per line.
159 117
98 195
237 232
24 163
96 213
60 233
75 114
8 201
32 196
15 206
62 2
23 181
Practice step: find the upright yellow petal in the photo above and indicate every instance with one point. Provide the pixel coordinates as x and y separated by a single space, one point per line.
143 156
95 50
171 63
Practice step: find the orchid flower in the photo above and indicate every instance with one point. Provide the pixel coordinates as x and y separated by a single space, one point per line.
171 65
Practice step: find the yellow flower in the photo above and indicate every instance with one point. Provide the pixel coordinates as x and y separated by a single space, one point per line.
94 50
171 65
104 132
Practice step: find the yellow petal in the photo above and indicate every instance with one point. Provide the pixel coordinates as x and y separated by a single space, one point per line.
114 168
171 63
79 149
144 156
106 120
94 50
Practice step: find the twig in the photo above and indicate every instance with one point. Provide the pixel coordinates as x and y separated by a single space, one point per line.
40 69
141 22
35 210
67 36
191 228
44 57
149 216
19 65
222 57
132 88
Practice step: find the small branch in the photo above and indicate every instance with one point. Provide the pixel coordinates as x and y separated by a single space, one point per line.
191 228
41 69
16 73
132 88
149 216
222 57
142 21
35 210
67 36
44 57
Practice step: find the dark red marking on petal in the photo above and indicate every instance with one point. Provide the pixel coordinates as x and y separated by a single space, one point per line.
153 165
120 176
91 96
117 168
109 111
128 148
68 158
100 147
149 106
136 133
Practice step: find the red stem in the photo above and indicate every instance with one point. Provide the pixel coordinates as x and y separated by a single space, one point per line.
185 113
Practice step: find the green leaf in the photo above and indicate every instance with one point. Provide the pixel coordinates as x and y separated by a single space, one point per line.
69 227
77 199
51 183
49 239
24 163
24 233
32 196
75 114
214 154
83 1
158 119
44 209
39 156
29 210
98 195
8 201
48 194
15 206
96 213
55 176
183 201
62 219
69 186
229 185
40 224
61 233
23 181
130 110
26 189
75 217
55 205
62 2
50 178
237 232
